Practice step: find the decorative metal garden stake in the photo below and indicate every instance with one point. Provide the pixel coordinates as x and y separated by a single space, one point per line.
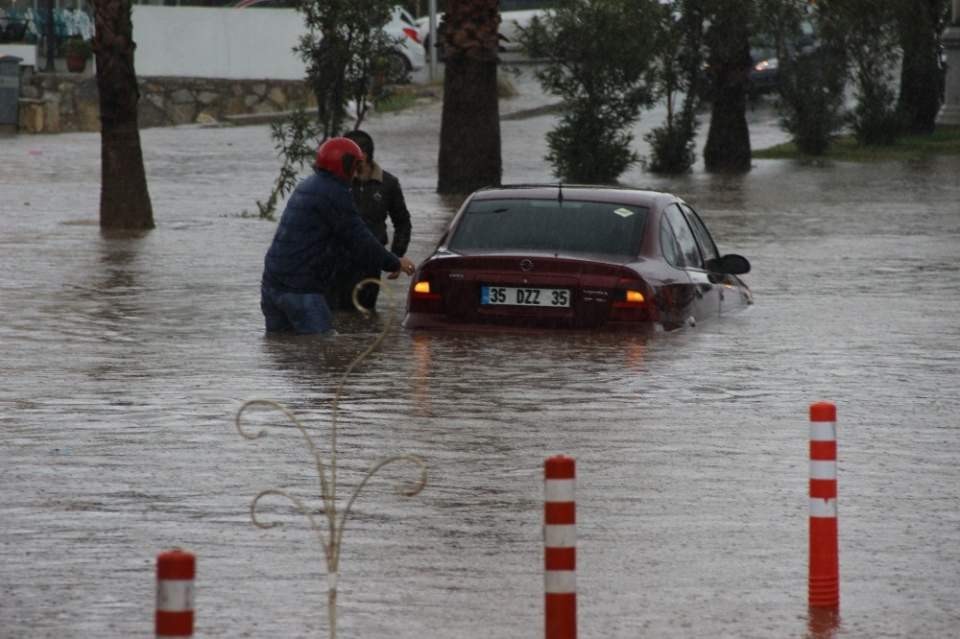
333 542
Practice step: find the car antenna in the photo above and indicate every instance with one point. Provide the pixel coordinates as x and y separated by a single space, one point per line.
560 192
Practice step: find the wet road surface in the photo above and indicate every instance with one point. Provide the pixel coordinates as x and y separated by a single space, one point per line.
126 359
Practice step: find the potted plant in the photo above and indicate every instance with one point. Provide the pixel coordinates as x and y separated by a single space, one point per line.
76 51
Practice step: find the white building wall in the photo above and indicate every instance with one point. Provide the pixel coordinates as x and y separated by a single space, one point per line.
26 52
204 42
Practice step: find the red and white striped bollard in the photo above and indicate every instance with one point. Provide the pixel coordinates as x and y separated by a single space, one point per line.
824 575
175 572
560 548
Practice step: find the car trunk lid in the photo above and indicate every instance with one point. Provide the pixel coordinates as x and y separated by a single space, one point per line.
530 289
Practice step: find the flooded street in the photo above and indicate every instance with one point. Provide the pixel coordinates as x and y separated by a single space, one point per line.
125 361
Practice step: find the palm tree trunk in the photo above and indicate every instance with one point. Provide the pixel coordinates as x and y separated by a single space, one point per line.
470 126
728 140
921 79
124 198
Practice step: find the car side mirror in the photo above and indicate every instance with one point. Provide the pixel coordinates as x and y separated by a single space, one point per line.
730 264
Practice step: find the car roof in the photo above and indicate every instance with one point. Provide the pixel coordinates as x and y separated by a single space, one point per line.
593 193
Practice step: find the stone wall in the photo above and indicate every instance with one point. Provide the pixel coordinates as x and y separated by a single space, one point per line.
63 102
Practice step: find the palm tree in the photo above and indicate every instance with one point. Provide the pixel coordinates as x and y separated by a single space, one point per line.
921 23
728 38
124 199
470 124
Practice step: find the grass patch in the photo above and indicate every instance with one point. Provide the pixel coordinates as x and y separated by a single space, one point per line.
945 140
397 101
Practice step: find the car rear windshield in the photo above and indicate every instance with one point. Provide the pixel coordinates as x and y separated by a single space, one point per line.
550 225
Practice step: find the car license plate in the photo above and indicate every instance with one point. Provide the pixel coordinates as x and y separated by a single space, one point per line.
515 296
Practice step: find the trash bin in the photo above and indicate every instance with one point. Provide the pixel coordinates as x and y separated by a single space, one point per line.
9 93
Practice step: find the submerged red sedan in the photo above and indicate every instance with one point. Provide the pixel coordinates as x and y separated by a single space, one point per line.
579 257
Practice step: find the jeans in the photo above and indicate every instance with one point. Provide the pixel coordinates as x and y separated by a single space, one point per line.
301 313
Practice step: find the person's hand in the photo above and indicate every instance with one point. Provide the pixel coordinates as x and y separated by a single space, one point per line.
406 265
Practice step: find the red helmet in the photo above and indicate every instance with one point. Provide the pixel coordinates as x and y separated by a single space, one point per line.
339 156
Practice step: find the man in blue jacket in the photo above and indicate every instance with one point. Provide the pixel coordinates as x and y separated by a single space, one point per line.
320 235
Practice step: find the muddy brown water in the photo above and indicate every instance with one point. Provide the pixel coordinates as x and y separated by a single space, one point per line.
126 359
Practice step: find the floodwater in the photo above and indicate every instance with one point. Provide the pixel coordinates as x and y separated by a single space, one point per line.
126 359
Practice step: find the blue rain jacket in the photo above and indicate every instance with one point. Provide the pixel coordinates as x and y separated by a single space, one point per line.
320 236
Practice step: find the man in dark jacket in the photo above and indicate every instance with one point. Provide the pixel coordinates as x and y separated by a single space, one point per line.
320 236
378 196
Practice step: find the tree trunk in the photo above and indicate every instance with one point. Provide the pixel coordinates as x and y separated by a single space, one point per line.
124 199
921 80
728 140
470 126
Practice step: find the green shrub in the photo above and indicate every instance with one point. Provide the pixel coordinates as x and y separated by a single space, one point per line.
875 119
812 100
394 101
599 59
671 149
680 63
867 30
586 151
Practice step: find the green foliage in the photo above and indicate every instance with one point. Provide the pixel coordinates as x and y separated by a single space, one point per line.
296 142
389 102
812 99
866 30
875 119
345 49
672 148
945 140
680 63
600 59
584 150
812 77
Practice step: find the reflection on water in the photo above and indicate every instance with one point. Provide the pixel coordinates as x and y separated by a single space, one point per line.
125 359
823 623
307 359
421 376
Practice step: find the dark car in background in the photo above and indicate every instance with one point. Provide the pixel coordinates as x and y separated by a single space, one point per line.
577 257
765 72
764 75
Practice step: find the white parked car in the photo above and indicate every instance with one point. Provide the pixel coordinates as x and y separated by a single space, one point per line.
409 55
403 25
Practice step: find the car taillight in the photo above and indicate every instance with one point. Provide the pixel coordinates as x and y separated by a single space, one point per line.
421 288
631 298
412 34
630 305
424 299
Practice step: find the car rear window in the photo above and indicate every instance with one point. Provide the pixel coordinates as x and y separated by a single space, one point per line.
550 225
